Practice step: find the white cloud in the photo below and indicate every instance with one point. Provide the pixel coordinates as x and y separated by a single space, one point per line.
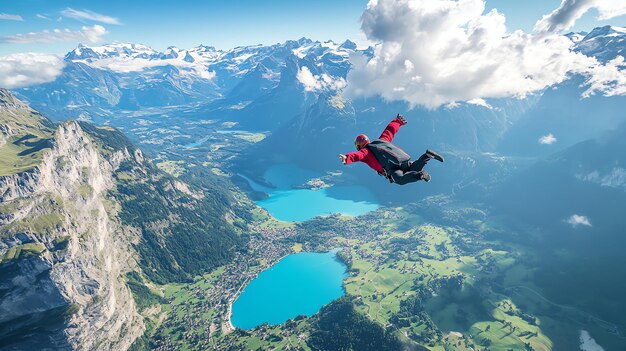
318 82
89 15
570 11
86 34
24 69
434 52
307 79
205 74
39 15
609 78
124 65
588 343
610 9
479 102
10 17
547 139
576 220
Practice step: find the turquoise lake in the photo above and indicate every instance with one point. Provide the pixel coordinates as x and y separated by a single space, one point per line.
295 205
299 284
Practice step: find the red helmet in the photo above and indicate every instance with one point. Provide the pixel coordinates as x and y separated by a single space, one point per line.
361 141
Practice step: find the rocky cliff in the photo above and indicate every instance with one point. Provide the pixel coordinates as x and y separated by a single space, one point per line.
87 226
64 253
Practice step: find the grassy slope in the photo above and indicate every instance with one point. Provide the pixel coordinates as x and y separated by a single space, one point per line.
24 149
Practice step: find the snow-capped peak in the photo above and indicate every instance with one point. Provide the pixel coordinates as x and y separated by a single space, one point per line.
606 31
203 48
604 43
127 50
205 61
171 52
348 44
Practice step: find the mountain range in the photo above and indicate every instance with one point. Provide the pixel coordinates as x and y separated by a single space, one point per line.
279 88
89 222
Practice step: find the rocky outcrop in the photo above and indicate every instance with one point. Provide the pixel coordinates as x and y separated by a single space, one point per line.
10 102
18 185
5 133
64 249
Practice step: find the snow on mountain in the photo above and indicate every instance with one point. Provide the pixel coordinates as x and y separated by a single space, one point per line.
171 53
604 43
134 76
205 62
121 50
255 79
125 58
576 37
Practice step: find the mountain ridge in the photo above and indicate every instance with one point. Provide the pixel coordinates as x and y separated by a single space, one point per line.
69 240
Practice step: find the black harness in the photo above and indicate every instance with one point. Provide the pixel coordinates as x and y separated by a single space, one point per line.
390 157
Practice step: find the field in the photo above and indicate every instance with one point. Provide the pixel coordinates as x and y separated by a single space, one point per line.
424 264
173 168
443 287
184 318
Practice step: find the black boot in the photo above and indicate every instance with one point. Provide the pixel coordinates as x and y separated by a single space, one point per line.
434 155
424 176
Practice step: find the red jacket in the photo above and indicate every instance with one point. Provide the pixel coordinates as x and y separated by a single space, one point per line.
365 155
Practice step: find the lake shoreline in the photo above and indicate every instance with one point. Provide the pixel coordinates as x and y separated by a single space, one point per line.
285 187
234 298
313 279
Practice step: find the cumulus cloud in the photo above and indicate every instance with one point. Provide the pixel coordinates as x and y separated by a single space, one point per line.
321 82
547 139
10 17
570 11
86 34
24 69
89 16
434 52
577 220
609 78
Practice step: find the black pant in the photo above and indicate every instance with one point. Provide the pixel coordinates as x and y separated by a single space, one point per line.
409 172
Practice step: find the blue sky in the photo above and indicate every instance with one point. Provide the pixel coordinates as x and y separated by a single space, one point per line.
221 23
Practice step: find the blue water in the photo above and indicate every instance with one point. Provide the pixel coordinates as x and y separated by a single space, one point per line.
298 284
197 143
295 205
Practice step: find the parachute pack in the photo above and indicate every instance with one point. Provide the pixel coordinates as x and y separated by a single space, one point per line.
389 155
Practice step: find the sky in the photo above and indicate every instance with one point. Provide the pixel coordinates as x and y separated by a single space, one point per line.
221 23
430 53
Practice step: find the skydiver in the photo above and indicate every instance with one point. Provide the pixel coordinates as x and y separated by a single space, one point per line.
388 159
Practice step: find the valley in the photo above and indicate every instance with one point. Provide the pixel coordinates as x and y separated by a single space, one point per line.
137 214
454 280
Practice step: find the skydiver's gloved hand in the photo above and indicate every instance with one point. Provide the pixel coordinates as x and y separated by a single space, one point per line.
401 119
343 158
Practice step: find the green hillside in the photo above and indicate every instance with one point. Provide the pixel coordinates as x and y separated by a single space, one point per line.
24 135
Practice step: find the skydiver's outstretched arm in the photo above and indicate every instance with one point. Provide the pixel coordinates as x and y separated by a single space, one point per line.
392 128
353 156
